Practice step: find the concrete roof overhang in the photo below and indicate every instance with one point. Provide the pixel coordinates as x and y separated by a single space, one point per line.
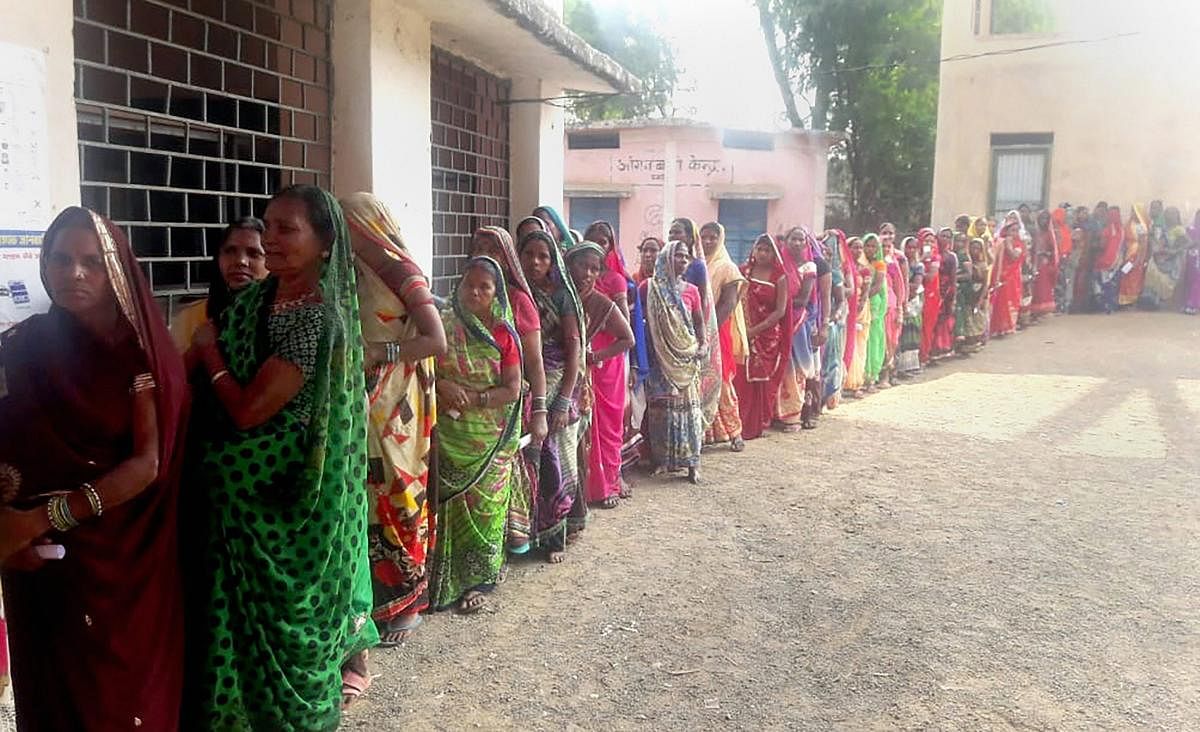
512 38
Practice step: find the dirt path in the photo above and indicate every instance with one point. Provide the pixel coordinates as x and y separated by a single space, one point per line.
1032 563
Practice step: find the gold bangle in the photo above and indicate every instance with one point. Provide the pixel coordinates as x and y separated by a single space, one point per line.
59 513
217 376
94 501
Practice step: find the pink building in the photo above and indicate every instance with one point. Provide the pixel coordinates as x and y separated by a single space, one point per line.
641 174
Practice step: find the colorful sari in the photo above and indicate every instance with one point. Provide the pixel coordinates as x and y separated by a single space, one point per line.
908 359
833 365
970 321
674 424
1109 258
1137 254
877 335
97 638
759 378
559 223
856 372
1166 263
608 382
523 501
731 336
476 454
1191 281
711 375
291 584
1006 281
933 289
560 504
852 282
943 332
400 421
1045 279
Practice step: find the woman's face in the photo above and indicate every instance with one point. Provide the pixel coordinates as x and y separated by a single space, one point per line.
871 249
1043 219
709 239
75 273
599 234
912 250
976 250
535 260
478 291
764 253
887 235
856 248
649 255
242 259
944 240
680 259
679 232
550 225
962 223
585 270
291 244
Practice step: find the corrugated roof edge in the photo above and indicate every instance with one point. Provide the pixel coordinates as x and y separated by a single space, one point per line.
832 136
537 19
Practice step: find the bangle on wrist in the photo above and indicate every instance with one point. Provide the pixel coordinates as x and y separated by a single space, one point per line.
93 497
58 511
219 375
391 351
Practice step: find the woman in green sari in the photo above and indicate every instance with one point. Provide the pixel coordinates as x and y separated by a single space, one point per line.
877 338
289 591
478 433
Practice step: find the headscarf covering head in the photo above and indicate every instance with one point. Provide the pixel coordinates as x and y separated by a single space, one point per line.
564 232
614 259
558 273
693 233
368 216
672 330
501 308
509 262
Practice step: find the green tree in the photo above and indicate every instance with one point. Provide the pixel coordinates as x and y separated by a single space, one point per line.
870 69
636 46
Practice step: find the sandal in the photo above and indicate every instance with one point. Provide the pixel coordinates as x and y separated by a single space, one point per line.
354 684
626 489
471 603
396 631
611 502
791 429
737 444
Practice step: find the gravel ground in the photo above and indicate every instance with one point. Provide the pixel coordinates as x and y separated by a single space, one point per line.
1010 541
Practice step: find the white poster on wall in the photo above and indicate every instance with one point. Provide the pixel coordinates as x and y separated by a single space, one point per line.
24 181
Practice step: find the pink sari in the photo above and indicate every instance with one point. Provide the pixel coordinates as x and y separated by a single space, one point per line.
608 381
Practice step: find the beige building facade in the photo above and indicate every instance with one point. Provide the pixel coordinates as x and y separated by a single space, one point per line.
174 118
1051 101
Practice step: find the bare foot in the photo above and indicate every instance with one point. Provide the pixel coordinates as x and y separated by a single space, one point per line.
471 602
556 557
399 629
737 444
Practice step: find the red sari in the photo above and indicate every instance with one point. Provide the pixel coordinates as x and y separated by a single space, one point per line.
933 292
851 282
758 382
1006 303
1045 248
96 637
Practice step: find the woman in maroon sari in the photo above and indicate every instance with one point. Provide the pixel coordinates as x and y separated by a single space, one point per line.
93 400
930 251
773 281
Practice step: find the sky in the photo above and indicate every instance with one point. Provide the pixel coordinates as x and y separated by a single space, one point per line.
726 76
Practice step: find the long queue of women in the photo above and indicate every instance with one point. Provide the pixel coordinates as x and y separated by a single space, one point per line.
207 526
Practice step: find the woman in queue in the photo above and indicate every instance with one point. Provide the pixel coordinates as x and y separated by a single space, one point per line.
88 537
290 585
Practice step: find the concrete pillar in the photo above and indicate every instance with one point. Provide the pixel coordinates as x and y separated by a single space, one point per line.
48 28
535 148
381 113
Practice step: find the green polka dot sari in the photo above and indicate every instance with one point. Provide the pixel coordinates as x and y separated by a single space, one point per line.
290 587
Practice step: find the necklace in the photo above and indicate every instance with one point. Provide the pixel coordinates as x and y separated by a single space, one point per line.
280 306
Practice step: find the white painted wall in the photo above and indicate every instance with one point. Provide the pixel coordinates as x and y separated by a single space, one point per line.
381 105
48 26
535 137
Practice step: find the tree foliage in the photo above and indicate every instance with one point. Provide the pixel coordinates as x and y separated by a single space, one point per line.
634 45
870 69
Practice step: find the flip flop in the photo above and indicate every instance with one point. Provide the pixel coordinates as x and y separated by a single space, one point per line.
407 627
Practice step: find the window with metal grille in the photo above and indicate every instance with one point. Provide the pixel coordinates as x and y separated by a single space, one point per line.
470 160
743 220
1019 175
192 114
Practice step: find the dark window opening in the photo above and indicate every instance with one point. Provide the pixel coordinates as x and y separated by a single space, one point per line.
746 140
744 221
585 211
593 140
